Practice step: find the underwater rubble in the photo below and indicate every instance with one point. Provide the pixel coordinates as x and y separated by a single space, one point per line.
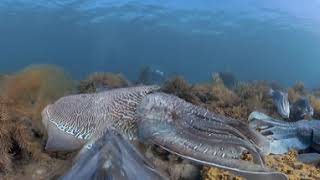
24 94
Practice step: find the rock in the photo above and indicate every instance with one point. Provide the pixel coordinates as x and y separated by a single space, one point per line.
173 166
309 158
297 165
185 171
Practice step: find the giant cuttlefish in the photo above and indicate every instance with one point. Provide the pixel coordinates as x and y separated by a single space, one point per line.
142 113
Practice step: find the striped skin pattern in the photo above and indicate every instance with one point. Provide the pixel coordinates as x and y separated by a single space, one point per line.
88 115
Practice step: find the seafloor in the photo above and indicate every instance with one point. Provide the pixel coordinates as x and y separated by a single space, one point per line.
24 94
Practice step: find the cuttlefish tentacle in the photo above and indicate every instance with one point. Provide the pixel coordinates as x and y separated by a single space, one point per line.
169 122
284 136
197 125
267 120
216 122
235 130
268 126
201 121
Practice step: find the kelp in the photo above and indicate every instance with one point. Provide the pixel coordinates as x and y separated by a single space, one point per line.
213 96
31 89
17 138
5 139
228 78
218 98
181 88
296 92
23 96
102 81
255 96
217 174
289 165
315 103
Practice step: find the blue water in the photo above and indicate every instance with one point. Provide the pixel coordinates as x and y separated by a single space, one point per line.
271 40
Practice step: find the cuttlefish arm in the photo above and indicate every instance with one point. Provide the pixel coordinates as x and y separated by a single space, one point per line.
201 136
283 136
111 157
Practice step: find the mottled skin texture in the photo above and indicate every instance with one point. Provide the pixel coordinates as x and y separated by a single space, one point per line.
73 120
168 121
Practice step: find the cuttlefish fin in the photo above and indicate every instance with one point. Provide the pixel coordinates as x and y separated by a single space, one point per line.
111 157
180 128
61 141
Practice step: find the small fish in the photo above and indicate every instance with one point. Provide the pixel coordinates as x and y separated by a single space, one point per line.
280 100
301 109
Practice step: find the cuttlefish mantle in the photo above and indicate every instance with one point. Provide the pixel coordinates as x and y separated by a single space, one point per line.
73 120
